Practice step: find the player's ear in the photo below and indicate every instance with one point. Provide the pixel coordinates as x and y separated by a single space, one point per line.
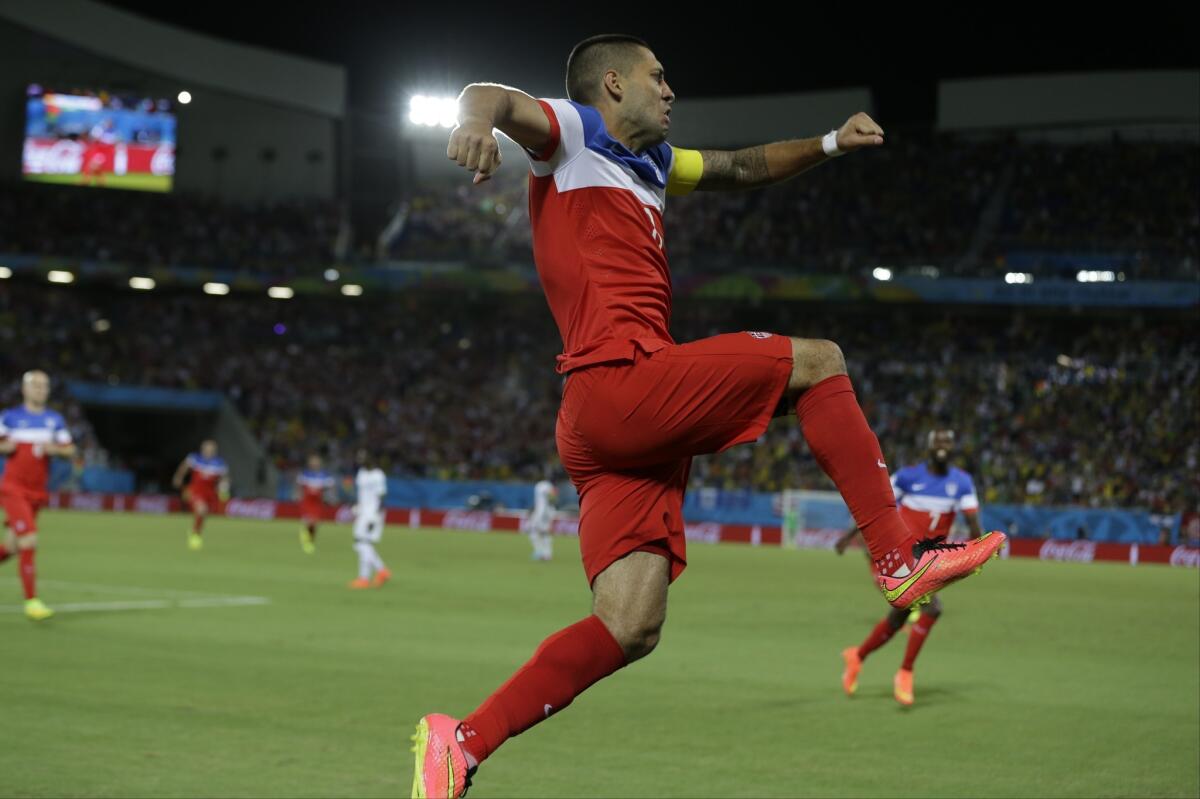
613 84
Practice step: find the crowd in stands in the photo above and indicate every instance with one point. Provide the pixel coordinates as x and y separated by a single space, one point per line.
1049 408
149 229
966 206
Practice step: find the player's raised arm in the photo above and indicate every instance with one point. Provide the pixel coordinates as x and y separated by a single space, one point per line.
765 164
483 107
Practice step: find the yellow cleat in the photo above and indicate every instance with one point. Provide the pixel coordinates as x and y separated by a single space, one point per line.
195 542
36 610
306 543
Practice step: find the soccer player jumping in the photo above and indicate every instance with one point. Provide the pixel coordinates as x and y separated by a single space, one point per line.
30 435
930 494
636 405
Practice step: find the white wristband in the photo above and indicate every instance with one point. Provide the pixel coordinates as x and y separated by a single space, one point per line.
830 146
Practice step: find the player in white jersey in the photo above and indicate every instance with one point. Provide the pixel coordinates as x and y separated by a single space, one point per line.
370 484
545 497
929 495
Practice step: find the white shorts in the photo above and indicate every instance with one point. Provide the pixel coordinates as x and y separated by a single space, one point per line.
368 527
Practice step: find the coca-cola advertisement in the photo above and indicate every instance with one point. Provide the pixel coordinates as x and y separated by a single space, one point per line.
99 139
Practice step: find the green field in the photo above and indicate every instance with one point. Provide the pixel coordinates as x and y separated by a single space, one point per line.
1041 679
139 182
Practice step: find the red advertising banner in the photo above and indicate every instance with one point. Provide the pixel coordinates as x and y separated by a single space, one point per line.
703 532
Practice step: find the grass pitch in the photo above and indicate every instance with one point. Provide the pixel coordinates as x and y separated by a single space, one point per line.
248 669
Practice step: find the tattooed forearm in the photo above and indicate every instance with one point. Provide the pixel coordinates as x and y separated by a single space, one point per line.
734 169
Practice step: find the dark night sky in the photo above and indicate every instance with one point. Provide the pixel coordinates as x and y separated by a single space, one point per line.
394 48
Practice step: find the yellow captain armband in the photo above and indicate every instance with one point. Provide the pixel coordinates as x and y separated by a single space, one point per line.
686 168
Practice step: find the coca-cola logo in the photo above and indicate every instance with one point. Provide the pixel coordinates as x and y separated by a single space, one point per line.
468 520
251 508
707 532
1075 551
63 157
87 502
817 539
151 504
1186 557
565 526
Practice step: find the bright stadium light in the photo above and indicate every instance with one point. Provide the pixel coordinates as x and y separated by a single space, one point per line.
332 275
280 293
881 273
432 112
142 283
101 325
1095 276
1018 277
216 288
184 97
57 276
352 290
5 273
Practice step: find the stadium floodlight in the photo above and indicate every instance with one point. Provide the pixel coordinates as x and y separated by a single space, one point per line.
5 273
216 288
280 293
881 273
101 325
432 112
1095 276
352 290
332 275
184 97
59 276
142 283
1018 277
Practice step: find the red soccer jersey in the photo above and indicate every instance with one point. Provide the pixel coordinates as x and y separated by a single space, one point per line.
28 468
596 211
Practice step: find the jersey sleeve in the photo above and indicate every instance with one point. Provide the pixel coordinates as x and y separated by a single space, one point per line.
900 483
191 461
569 125
968 501
687 166
62 435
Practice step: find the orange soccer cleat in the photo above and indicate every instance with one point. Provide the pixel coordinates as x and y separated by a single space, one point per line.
902 687
381 577
441 768
850 674
359 583
939 563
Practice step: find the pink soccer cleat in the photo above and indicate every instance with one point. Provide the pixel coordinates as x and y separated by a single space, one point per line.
850 673
939 563
441 764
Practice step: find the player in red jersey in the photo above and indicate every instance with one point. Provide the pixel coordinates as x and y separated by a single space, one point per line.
30 435
929 496
637 405
208 486
314 483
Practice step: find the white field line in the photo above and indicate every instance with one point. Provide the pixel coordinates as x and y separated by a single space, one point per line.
151 604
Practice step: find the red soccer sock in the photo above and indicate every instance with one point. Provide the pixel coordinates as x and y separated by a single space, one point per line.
882 633
197 524
916 639
562 668
28 575
844 446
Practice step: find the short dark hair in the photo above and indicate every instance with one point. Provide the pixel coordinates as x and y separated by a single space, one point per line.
592 57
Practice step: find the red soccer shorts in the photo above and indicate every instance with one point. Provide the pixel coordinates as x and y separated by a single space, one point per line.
311 512
208 496
20 509
627 432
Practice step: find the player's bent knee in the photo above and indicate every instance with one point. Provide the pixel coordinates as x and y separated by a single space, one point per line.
814 360
637 638
27 541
